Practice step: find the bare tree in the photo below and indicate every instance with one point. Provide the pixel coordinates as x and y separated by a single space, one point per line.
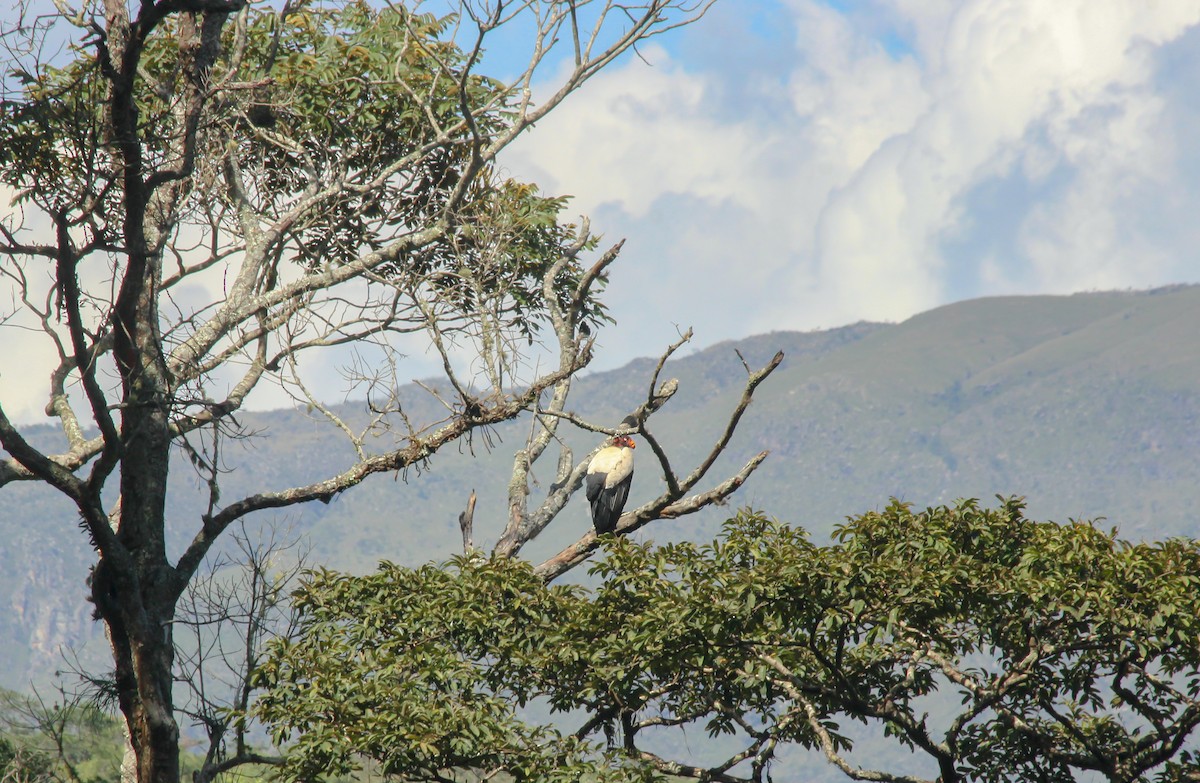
210 195
225 616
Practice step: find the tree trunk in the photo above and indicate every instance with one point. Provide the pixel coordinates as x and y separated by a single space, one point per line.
128 758
145 585
148 651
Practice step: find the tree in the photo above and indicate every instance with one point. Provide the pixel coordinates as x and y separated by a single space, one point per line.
65 740
329 174
993 647
226 616
19 764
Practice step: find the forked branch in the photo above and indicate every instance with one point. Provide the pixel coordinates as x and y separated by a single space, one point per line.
672 503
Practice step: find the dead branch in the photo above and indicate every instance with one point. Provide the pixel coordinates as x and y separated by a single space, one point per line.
466 522
671 503
524 529
579 551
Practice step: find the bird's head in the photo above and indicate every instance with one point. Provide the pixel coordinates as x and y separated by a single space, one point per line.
625 441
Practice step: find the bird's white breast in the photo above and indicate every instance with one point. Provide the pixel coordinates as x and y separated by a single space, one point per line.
614 461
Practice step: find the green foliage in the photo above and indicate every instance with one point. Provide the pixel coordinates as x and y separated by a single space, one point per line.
21 764
349 124
53 133
378 95
1067 650
65 742
70 741
417 671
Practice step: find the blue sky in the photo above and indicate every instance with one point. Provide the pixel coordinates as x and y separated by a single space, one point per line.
806 164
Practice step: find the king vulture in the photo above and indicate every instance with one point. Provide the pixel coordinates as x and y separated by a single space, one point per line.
608 477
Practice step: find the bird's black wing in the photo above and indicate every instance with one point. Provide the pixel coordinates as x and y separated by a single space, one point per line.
607 504
595 483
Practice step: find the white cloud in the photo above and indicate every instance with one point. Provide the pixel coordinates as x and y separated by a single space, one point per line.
605 142
850 95
29 354
25 377
865 193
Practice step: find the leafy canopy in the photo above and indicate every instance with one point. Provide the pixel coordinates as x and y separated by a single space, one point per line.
348 124
1039 649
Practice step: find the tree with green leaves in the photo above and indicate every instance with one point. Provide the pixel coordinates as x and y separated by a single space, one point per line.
980 644
209 195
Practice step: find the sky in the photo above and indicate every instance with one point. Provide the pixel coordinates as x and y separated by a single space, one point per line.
805 164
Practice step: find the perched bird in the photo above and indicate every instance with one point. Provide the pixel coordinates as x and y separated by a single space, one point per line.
608 477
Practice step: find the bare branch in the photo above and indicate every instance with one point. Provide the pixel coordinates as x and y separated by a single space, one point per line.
671 503
229 612
828 747
578 552
752 383
37 464
466 522
669 476
689 771
418 450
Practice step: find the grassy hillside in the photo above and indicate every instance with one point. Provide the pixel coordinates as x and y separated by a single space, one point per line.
1089 405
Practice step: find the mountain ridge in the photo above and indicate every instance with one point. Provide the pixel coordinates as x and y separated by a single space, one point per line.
1088 405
